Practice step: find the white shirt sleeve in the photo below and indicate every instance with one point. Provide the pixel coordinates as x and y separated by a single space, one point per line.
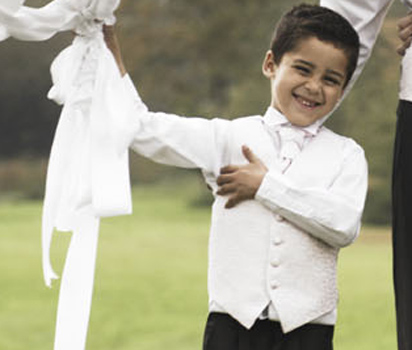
179 141
331 214
366 16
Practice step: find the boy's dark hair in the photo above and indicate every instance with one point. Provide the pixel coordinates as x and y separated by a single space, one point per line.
305 21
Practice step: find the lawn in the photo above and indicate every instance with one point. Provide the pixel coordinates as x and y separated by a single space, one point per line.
150 291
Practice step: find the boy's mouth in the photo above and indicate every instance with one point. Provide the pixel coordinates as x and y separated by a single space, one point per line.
305 102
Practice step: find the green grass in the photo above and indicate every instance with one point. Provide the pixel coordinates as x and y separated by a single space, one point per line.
150 291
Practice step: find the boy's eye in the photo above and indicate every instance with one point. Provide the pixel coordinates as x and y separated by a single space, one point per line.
302 69
332 81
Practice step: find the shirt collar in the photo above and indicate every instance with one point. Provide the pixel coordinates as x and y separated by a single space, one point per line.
273 118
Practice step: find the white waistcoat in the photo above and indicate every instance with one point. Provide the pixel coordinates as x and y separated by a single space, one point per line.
256 256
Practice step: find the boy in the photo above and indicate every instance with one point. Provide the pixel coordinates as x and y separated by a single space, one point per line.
298 192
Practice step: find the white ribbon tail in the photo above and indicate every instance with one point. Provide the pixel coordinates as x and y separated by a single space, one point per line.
77 285
48 272
55 182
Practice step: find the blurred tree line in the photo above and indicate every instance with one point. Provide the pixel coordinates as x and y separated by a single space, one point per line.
198 58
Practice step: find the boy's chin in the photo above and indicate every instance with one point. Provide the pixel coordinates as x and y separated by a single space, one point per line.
308 120
304 122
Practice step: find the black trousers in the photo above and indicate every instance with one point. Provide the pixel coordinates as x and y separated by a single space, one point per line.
402 224
225 333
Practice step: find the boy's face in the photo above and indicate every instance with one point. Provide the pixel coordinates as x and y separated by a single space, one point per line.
308 82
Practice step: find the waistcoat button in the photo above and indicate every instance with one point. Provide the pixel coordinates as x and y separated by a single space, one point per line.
275 263
277 241
274 285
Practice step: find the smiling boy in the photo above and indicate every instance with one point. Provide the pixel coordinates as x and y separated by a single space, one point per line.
298 189
304 101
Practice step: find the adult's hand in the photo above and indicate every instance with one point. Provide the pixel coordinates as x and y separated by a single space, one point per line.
404 33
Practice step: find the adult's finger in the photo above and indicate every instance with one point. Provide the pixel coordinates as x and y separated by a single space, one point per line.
401 50
405 33
405 21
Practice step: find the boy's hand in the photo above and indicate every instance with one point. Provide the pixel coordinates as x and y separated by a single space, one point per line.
243 181
405 33
112 44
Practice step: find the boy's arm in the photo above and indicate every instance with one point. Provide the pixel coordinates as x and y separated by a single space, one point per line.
366 16
166 138
332 215
112 43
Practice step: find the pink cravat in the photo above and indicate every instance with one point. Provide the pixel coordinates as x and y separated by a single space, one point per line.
291 144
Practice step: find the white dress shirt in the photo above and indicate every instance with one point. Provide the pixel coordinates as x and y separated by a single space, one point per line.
280 248
367 17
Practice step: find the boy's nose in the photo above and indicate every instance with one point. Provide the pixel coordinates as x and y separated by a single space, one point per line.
313 86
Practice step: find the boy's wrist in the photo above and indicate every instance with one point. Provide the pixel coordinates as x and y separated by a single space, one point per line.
112 44
271 187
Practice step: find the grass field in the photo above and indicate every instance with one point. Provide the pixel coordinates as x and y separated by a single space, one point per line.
150 291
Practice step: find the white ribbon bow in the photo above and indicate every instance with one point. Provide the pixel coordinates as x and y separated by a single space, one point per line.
88 174
11 5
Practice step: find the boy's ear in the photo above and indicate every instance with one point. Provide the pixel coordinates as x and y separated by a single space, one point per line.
269 66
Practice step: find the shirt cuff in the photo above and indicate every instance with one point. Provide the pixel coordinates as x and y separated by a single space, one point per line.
273 187
275 192
264 189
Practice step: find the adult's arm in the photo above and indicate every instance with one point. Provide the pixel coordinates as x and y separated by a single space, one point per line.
366 16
